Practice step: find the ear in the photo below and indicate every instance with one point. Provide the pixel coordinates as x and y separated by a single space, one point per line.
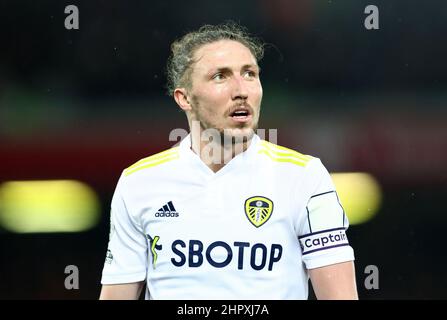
181 97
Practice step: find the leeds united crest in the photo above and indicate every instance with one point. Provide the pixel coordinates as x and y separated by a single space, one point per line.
258 210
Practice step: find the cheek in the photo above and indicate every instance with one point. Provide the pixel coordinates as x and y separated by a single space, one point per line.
260 91
219 92
256 92
214 96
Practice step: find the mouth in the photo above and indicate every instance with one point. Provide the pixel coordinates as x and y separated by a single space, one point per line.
241 115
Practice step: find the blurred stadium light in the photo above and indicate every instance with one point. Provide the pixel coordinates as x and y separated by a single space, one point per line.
360 195
48 206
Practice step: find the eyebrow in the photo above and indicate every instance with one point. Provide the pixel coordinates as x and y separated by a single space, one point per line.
244 67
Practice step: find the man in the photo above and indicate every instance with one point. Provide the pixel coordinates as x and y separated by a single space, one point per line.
225 215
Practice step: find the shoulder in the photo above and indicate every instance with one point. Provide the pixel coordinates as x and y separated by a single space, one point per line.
158 160
306 172
284 157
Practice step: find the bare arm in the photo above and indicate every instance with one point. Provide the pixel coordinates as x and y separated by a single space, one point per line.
334 282
126 291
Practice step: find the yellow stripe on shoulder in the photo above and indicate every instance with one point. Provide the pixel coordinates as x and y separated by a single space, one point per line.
154 160
283 154
154 157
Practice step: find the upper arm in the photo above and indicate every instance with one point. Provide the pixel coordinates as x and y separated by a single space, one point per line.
322 222
326 251
127 250
126 291
335 281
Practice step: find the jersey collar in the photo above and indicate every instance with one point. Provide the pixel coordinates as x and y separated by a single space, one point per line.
242 159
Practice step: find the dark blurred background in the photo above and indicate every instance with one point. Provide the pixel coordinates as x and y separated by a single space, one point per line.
85 104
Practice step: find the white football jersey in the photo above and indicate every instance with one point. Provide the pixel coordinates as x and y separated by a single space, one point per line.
249 231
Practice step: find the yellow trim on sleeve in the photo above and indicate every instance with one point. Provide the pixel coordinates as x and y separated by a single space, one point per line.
282 154
154 157
290 160
285 152
273 146
153 160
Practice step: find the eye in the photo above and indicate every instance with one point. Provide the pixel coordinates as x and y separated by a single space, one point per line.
218 76
250 74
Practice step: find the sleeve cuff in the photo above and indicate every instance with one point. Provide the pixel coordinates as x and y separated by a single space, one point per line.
342 254
124 278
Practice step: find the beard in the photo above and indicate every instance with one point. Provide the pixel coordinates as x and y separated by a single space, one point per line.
239 134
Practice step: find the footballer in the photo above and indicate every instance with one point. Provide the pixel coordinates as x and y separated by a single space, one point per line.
229 216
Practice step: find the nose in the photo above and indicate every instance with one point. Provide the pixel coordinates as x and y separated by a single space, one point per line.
240 90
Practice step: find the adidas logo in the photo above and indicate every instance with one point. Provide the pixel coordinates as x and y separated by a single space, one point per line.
167 210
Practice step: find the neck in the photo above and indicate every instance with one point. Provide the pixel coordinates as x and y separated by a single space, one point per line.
217 150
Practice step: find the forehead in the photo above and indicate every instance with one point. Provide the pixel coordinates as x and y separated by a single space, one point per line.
223 53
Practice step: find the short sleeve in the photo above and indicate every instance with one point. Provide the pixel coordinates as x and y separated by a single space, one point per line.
126 258
323 223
